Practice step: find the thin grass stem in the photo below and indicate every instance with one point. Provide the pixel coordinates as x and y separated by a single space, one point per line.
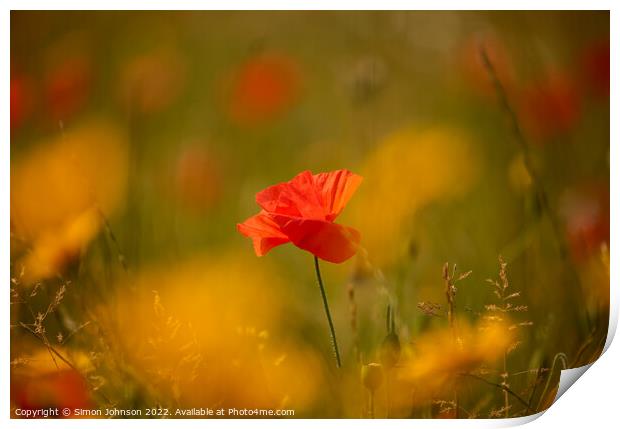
327 313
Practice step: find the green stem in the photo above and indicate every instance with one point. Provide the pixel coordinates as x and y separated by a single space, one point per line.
372 404
327 313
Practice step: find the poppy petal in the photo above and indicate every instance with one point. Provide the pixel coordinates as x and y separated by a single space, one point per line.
264 232
298 197
336 188
326 240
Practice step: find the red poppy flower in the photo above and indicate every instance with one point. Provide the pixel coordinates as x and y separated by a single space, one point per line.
264 88
303 211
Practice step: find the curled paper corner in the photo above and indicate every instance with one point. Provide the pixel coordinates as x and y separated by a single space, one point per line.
569 376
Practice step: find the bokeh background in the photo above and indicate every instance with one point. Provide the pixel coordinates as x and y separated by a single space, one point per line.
139 139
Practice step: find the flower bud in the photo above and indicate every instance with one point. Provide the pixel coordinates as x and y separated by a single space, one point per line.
372 376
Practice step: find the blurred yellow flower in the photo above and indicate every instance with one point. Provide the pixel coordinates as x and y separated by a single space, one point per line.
59 190
441 355
595 277
205 334
55 248
409 169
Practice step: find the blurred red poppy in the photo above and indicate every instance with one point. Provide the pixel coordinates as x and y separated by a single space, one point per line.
198 178
21 100
67 86
585 210
39 382
474 70
62 389
594 62
551 107
263 88
303 211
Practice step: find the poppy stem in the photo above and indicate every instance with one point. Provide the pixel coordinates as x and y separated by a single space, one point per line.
327 313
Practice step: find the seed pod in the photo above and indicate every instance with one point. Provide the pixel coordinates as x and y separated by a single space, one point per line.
372 376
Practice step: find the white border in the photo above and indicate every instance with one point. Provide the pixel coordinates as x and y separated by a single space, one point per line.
591 402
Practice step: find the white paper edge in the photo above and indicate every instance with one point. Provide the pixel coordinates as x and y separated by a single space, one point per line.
569 376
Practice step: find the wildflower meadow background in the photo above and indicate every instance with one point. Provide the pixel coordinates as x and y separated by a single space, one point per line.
467 161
